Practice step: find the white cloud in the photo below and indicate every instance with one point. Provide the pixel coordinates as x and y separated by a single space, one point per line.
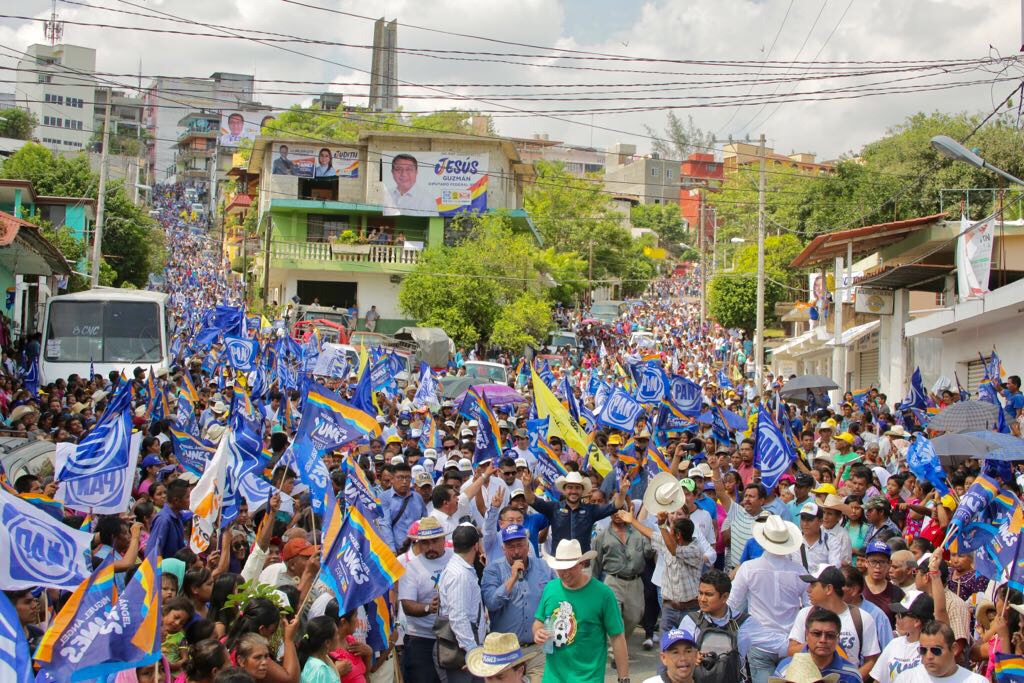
700 29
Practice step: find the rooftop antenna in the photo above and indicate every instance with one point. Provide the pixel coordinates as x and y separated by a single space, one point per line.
53 28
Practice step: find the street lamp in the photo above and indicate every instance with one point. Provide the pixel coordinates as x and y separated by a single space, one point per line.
951 149
735 240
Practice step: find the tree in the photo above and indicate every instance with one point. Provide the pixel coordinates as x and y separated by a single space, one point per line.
680 139
17 124
131 237
779 252
524 321
344 126
663 219
129 143
732 300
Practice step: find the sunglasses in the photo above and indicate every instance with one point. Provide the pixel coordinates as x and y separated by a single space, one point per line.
824 635
935 650
239 546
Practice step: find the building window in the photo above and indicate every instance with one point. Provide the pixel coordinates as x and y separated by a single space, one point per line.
654 171
668 174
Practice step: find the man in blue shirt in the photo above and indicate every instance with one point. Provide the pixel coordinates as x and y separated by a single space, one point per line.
404 506
822 635
168 530
571 518
1014 397
513 584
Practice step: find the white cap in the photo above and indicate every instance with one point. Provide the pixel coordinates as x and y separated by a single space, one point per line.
416 433
466 432
430 453
473 423
416 469
810 508
521 462
397 460
465 465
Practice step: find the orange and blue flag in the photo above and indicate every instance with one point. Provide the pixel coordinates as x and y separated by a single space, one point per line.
488 434
655 462
358 565
381 618
1009 668
328 422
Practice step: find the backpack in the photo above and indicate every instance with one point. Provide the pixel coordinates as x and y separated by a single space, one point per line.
720 653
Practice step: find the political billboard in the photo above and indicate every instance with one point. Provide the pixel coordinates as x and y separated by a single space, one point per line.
308 161
433 183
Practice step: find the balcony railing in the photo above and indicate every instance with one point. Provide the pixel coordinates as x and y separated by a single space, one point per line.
345 253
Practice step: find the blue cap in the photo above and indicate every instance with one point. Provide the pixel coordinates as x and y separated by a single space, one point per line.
151 460
877 548
677 635
512 532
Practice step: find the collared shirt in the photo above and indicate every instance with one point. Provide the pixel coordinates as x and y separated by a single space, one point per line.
959 616
572 524
167 532
874 531
771 591
741 527
512 612
841 537
414 511
462 603
826 550
682 570
624 559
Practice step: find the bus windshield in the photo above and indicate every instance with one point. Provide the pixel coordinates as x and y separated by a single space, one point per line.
103 332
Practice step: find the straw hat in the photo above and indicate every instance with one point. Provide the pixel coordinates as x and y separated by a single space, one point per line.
214 432
500 652
664 494
574 478
568 554
777 536
427 529
834 501
984 612
219 408
20 412
802 669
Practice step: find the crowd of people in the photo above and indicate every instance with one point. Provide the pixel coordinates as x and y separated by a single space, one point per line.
838 571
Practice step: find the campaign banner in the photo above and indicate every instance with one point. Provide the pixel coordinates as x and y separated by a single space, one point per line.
973 258
433 183
236 126
307 161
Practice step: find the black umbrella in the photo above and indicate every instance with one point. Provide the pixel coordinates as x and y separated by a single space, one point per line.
965 416
799 386
954 449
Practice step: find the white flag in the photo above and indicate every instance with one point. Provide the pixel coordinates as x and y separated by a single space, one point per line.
973 258
207 497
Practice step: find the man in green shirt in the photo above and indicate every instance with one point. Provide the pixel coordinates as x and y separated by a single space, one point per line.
578 615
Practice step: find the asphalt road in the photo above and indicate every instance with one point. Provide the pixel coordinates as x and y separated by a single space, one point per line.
642 663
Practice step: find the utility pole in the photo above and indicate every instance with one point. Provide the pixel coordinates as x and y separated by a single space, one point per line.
703 262
101 200
759 332
590 272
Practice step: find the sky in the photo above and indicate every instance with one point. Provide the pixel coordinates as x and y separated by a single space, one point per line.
786 32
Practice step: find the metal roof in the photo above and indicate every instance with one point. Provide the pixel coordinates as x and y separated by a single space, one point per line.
920 277
865 240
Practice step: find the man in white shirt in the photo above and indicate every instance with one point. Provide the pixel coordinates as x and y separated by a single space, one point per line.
858 639
938 659
769 589
461 599
819 547
901 654
418 598
406 199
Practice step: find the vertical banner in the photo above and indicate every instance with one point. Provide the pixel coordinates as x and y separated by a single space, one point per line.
973 258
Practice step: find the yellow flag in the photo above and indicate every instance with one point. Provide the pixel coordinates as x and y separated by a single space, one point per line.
561 424
364 359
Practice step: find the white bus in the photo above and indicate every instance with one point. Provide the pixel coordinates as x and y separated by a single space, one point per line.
113 329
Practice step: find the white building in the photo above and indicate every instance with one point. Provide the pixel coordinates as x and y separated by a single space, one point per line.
56 84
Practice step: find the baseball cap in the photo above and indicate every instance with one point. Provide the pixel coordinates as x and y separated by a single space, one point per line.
298 547
424 479
688 484
473 423
465 465
521 462
824 488
678 635
877 503
397 460
915 604
878 548
709 486
810 509
845 436
826 575
512 532
466 431
150 460
804 479
429 453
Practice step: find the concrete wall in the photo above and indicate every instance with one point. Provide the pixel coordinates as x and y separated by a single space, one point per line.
70 78
372 289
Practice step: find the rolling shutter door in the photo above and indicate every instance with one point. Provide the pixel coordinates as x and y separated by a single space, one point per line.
867 369
975 373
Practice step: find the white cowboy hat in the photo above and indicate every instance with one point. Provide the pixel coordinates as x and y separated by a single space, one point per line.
664 494
573 478
214 432
219 407
778 537
568 554
802 669
500 652
896 430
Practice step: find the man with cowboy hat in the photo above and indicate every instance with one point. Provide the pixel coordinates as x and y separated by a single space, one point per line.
579 615
417 593
500 659
572 518
622 553
770 590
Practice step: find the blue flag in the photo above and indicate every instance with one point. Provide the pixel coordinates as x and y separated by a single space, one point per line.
685 396
621 411
191 452
772 455
328 422
31 378
924 463
332 362
651 382
357 564
241 353
918 395
313 473
362 397
723 380
426 393
15 658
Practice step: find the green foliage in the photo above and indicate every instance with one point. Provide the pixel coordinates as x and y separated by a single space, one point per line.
732 300
463 289
681 138
127 143
665 220
568 270
130 238
342 126
779 252
524 321
17 124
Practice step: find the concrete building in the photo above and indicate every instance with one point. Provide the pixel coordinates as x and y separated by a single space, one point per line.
168 100
652 179
332 238
384 66
578 160
8 101
700 175
56 83
196 149
904 312
738 155
125 112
